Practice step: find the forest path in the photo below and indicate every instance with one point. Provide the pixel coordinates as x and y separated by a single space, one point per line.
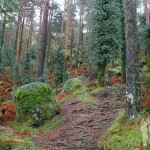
85 124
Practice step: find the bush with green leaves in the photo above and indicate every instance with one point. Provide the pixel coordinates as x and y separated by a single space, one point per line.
35 103
72 85
58 59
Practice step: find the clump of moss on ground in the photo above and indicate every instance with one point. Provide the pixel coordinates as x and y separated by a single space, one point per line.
123 135
72 85
84 96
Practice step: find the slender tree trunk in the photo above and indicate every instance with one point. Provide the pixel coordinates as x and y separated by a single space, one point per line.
25 38
50 32
40 22
133 91
66 40
42 47
123 55
2 37
31 27
72 22
146 11
10 34
79 35
62 26
19 32
89 42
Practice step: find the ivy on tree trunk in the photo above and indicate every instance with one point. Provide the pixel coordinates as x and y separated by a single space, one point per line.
133 91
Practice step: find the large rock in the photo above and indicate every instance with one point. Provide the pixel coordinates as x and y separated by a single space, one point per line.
35 103
72 85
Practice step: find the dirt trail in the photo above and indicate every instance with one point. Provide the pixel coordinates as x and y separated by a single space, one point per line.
85 124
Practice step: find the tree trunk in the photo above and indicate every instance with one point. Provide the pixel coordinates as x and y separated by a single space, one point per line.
19 32
40 22
89 42
79 35
2 37
133 91
123 54
146 11
62 26
49 33
72 24
42 47
31 27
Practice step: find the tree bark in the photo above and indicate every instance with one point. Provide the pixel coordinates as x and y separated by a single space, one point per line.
62 26
31 27
50 32
146 11
133 91
42 47
40 21
79 35
19 32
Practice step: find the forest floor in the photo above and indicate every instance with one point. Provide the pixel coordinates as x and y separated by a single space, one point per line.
85 117
85 123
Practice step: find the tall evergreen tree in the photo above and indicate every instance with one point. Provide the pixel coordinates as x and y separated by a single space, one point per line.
106 33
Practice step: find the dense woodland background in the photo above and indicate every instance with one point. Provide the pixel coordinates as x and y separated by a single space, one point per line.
100 42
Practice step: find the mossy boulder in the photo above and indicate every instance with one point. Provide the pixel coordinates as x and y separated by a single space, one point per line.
72 85
35 103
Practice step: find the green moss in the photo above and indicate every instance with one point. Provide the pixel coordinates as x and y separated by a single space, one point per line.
72 85
22 127
84 96
122 135
35 103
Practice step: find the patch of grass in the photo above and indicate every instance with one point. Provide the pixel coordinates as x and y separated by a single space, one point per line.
55 122
84 96
123 135
22 126
97 90
13 142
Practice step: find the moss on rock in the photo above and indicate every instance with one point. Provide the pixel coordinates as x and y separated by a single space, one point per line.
72 85
35 103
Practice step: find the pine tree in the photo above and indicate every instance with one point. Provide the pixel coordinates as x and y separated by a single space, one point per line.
106 33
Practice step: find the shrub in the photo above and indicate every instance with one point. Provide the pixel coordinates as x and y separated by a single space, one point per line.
72 85
35 103
58 60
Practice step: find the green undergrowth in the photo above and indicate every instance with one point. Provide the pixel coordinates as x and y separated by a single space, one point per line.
13 142
48 125
72 85
123 135
83 95
55 122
